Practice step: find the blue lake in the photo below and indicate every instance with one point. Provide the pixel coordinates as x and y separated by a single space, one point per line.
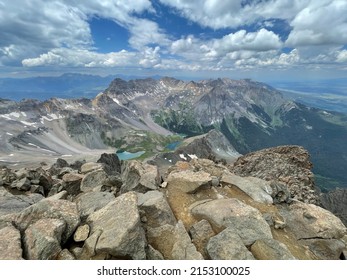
172 146
127 155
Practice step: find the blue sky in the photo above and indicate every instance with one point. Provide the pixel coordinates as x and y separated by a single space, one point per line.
263 40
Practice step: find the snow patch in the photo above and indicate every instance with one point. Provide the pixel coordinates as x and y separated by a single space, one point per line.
309 127
193 156
116 101
182 156
23 114
8 133
28 123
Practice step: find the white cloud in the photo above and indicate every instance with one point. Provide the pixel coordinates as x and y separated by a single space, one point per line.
320 23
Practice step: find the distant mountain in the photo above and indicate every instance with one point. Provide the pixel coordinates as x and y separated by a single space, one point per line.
144 115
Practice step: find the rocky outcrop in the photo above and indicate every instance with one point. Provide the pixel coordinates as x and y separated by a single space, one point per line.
287 164
201 211
336 201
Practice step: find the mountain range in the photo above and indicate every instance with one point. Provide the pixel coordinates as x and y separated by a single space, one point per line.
148 114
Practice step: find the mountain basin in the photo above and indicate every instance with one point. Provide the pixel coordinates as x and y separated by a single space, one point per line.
124 155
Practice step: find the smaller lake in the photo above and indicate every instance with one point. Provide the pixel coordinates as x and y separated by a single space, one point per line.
127 155
172 146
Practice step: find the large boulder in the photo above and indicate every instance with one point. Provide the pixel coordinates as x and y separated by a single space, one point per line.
90 167
91 202
42 239
156 208
308 221
48 208
93 180
271 249
139 177
245 220
173 242
121 232
189 181
227 245
10 243
111 163
258 189
72 183
201 232
325 249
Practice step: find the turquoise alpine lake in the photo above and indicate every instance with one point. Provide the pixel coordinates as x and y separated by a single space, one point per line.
124 155
172 146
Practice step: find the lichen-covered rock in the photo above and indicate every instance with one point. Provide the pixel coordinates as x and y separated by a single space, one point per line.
81 233
122 234
42 239
288 164
93 180
10 243
48 208
227 245
91 202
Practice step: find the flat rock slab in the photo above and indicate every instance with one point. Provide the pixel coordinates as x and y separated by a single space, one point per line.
227 245
256 188
245 220
90 166
120 226
189 181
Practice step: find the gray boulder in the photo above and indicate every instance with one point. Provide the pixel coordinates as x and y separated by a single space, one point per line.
325 249
48 208
201 232
308 221
139 177
10 243
189 181
156 208
72 183
119 221
173 242
271 249
93 180
111 163
90 202
10 203
42 239
245 220
227 245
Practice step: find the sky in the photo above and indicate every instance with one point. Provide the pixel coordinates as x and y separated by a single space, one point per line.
259 39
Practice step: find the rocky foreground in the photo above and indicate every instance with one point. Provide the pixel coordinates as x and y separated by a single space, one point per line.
261 207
